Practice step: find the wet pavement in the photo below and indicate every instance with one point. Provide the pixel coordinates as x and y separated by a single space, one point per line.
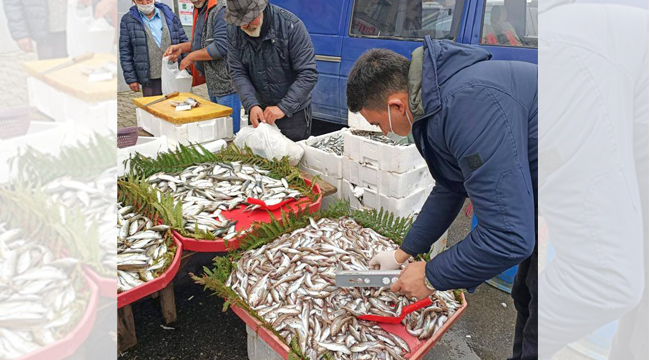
203 331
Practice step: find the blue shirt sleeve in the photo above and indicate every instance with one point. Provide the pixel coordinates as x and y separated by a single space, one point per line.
218 47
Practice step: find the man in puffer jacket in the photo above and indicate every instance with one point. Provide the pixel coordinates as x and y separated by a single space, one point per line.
145 32
474 121
40 21
207 55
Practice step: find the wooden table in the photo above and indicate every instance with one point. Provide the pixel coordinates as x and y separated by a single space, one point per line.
72 80
325 187
164 110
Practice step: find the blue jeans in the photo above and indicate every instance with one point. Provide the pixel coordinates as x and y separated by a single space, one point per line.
231 101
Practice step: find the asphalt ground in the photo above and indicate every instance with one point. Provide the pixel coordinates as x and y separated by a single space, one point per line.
204 331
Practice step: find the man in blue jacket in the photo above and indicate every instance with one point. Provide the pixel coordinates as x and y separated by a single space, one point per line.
475 123
272 64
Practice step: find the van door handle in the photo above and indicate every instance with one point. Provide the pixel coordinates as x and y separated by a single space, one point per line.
328 58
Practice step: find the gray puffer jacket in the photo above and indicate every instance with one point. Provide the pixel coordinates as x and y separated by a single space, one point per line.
26 18
276 69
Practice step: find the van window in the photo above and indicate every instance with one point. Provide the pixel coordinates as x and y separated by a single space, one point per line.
409 20
510 23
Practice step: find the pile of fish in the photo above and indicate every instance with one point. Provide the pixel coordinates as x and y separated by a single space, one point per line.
96 199
290 283
39 298
205 190
332 144
379 137
141 249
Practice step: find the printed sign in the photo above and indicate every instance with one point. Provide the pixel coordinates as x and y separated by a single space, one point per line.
185 12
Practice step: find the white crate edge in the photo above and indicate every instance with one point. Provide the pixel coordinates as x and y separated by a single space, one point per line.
407 206
397 159
257 348
386 182
357 121
326 163
336 182
147 146
194 132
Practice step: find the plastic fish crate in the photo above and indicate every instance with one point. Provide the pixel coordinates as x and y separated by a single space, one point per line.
403 207
264 345
393 158
195 132
154 285
244 221
325 163
385 182
147 146
357 121
46 99
67 346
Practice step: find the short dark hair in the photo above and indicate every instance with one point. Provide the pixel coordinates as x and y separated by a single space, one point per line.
377 74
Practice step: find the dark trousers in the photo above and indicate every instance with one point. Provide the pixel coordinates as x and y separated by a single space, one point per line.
55 45
524 294
154 88
298 126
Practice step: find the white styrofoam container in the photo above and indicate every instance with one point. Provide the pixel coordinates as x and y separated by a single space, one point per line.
324 162
403 207
195 132
44 136
386 182
147 146
46 99
357 121
336 182
397 159
258 349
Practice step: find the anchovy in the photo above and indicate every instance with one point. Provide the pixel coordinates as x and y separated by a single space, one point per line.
331 144
376 136
290 283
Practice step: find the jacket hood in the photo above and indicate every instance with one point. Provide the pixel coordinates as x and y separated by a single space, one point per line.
433 64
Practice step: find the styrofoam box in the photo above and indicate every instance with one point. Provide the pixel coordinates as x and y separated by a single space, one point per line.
147 146
397 159
195 132
46 99
386 182
357 121
403 207
324 162
338 183
258 349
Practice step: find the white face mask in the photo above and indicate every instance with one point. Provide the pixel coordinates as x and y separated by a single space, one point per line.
390 122
257 31
146 9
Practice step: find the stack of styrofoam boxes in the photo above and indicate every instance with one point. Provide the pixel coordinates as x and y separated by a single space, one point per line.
147 146
88 117
194 132
395 178
327 165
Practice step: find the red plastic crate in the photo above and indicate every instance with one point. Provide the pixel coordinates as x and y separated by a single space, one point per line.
152 286
244 221
107 286
418 348
67 346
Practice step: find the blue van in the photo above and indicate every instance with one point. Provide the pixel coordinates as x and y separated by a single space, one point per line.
342 30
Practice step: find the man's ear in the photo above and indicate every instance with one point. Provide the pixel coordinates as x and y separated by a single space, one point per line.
397 102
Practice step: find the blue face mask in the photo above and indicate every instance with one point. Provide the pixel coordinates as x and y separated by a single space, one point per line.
392 135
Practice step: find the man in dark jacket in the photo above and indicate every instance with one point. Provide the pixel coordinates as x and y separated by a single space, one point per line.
146 31
475 123
40 21
208 54
272 64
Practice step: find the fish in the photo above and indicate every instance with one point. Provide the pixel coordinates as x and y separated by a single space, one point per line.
205 190
289 282
331 144
141 255
377 136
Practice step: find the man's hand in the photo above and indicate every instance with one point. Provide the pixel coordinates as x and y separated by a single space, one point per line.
134 86
173 52
273 113
411 281
25 44
256 115
187 62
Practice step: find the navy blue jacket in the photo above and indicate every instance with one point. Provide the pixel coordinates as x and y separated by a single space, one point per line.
478 135
276 69
134 54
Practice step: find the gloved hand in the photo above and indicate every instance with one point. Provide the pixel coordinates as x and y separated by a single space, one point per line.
385 260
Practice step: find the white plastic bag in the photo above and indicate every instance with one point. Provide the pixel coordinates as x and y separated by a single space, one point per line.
85 34
268 142
173 79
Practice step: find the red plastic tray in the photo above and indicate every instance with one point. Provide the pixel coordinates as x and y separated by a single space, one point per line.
152 286
244 221
70 343
418 348
107 286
